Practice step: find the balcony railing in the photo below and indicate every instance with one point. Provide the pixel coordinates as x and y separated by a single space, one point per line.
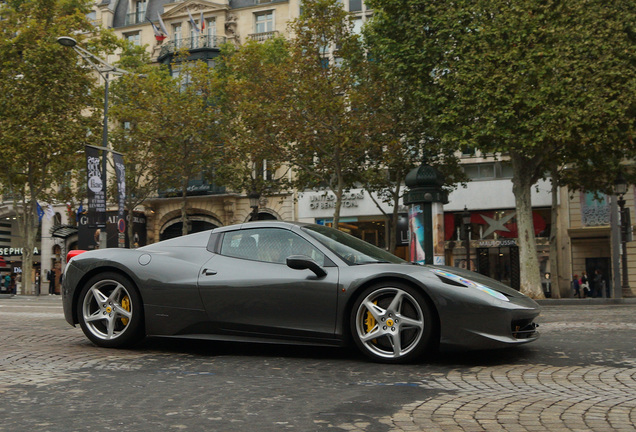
595 215
197 42
260 37
135 18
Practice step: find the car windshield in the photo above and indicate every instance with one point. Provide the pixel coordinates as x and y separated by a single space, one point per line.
349 248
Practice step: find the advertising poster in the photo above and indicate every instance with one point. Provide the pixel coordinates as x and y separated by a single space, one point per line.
120 176
416 234
438 234
88 237
95 188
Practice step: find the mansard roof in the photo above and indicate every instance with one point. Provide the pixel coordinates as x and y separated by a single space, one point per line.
156 7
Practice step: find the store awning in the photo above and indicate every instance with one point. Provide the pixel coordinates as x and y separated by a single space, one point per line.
63 231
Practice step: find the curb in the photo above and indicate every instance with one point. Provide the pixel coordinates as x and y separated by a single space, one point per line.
586 301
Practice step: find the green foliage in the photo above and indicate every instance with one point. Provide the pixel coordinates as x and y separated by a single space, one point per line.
252 138
330 117
543 81
44 92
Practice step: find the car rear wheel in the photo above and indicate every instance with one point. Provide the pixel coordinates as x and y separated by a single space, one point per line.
110 311
392 323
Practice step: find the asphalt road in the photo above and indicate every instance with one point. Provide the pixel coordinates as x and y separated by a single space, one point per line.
580 375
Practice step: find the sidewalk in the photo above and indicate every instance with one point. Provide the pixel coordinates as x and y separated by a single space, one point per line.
586 301
546 302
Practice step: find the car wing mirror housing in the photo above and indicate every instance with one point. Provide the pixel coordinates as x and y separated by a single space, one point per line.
303 262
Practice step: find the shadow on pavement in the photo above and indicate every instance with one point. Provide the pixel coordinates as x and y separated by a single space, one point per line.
206 348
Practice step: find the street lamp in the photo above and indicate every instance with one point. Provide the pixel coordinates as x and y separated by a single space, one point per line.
254 200
104 69
466 226
620 188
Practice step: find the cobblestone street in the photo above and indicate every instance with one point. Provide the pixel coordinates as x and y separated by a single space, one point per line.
579 376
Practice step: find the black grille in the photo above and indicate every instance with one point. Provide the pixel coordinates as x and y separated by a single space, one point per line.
524 329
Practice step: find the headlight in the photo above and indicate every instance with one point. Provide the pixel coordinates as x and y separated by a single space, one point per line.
453 279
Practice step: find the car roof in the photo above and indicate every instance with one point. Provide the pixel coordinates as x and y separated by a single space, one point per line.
260 224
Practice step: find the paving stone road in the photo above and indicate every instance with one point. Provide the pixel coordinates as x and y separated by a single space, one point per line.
579 376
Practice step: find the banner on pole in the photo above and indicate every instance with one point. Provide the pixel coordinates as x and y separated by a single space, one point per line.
95 188
120 176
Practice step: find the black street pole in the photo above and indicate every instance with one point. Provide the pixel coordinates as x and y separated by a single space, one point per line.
466 226
105 130
103 237
623 225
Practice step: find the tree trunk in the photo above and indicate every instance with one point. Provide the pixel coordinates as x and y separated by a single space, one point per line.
554 247
336 212
394 220
521 186
26 225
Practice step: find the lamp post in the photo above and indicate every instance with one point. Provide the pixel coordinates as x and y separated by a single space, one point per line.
104 69
254 200
620 188
466 228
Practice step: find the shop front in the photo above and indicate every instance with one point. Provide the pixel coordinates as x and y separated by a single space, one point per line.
11 273
489 244
360 216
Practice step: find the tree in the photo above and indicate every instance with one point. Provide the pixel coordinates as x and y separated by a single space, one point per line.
43 96
538 81
254 154
186 133
328 114
136 102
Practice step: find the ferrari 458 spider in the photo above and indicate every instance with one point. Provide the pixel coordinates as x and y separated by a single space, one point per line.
286 282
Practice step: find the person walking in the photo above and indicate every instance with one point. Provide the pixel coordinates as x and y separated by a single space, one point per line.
576 286
597 284
585 285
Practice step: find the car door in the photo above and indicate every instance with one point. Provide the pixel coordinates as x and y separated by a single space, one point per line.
248 289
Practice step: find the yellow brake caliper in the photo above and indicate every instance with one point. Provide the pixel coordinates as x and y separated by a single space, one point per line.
370 321
125 303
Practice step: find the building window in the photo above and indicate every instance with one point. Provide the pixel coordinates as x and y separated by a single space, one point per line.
488 171
210 27
140 10
92 17
176 35
133 38
355 5
264 22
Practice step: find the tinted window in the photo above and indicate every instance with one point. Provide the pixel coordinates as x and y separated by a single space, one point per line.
268 245
349 248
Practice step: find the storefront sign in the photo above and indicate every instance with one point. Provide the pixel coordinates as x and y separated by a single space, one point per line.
328 200
497 243
356 202
16 251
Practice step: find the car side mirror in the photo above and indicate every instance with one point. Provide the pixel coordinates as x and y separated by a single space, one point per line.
303 262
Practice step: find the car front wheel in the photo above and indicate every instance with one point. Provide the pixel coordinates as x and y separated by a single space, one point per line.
392 323
110 311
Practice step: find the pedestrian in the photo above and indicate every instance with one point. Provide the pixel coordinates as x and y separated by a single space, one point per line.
585 285
597 284
50 276
576 286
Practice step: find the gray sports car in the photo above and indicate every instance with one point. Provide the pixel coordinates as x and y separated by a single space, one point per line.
286 282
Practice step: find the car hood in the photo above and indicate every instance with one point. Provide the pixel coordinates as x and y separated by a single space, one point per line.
481 279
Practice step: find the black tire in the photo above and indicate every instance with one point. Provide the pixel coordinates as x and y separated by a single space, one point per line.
392 323
110 311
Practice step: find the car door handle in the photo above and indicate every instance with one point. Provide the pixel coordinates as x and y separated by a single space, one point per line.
209 272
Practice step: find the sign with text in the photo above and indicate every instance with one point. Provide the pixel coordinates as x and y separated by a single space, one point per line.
120 176
88 237
95 188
